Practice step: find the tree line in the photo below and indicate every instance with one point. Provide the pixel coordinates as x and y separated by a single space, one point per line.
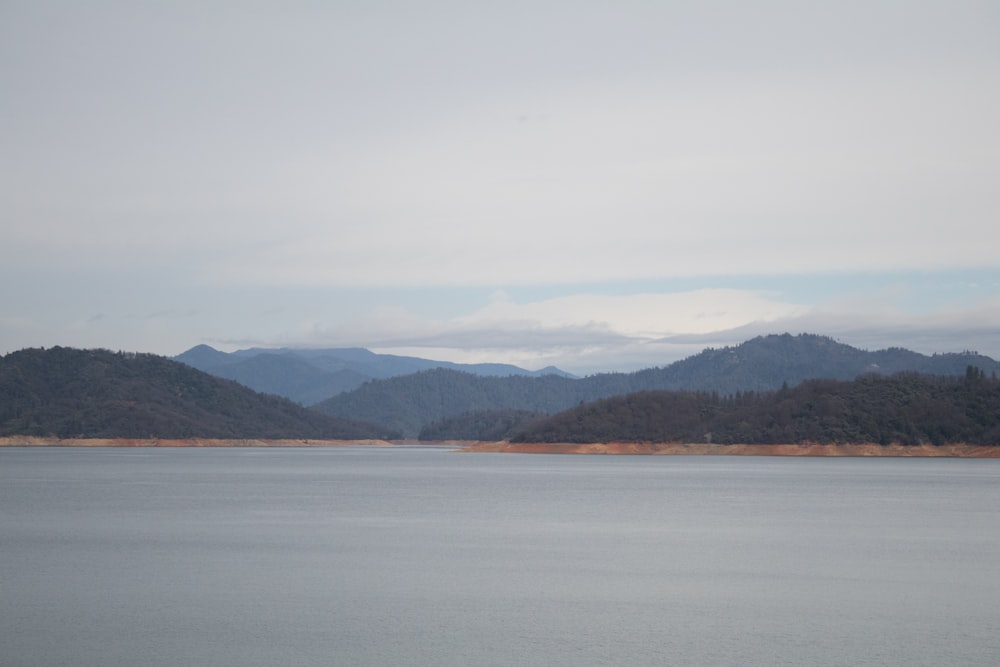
907 408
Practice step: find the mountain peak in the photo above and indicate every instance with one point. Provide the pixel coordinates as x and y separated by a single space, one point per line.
203 357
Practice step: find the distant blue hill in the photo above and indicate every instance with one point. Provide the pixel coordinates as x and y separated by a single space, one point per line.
308 376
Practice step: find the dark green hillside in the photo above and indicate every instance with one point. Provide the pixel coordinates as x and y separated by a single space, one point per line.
66 392
760 364
908 408
768 362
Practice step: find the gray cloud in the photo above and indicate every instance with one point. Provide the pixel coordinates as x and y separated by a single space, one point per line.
199 153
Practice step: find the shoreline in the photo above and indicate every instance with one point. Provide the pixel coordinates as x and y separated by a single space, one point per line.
37 441
871 450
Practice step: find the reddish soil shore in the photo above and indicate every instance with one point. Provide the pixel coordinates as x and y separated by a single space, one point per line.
809 449
31 441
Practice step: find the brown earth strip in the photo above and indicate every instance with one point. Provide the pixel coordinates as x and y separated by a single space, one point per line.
607 448
807 449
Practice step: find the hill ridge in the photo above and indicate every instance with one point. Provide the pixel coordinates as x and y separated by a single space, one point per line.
67 392
310 375
411 403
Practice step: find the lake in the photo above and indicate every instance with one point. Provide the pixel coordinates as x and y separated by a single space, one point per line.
423 556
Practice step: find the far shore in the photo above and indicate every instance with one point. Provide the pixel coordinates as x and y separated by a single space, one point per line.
606 448
33 441
701 449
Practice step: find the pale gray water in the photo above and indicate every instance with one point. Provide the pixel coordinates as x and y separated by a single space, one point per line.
427 557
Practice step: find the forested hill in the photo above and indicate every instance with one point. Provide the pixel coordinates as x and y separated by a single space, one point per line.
908 409
72 393
768 362
413 403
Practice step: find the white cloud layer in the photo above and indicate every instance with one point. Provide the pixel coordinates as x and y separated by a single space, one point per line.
594 333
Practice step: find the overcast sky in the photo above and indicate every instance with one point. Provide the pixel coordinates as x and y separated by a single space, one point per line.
596 185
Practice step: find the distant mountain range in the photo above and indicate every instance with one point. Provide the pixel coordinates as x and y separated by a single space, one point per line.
414 402
97 393
71 393
308 376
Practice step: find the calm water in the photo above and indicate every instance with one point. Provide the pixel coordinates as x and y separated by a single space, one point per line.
411 556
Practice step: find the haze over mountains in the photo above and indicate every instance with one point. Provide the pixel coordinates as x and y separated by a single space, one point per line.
308 376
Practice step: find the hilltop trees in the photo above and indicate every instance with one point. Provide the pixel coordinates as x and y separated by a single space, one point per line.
907 408
69 393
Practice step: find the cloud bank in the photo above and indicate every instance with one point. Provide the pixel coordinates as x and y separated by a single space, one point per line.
639 178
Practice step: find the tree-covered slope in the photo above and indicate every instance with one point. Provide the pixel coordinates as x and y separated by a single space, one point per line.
768 362
66 392
906 408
